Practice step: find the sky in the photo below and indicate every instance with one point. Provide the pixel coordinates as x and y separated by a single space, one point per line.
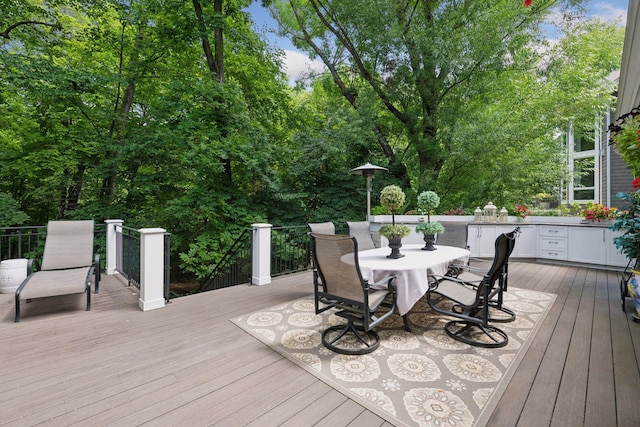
297 62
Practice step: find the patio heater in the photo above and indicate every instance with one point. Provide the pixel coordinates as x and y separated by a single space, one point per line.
368 171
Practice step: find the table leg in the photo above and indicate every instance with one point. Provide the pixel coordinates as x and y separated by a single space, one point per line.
405 319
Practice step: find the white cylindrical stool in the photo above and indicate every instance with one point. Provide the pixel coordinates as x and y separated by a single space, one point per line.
12 274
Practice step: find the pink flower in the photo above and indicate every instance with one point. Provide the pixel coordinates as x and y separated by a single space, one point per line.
635 183
527 3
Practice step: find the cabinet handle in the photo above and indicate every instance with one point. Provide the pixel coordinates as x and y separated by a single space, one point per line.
553 253
553 231
553 243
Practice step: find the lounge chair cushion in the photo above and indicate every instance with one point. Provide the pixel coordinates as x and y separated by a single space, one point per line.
55 282
69 244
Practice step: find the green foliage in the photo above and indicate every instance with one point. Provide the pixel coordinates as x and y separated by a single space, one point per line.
394 230
627 143
628 220
430 228
392 198
110 110
10 214
427 202
470 98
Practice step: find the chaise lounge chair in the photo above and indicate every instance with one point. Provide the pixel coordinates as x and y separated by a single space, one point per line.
67 264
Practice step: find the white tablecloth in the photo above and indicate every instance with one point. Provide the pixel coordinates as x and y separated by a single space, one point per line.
412 270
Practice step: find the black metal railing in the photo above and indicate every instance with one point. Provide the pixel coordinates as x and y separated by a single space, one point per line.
233 268
22 242
128 254
28 242
290 253
290 250
167 266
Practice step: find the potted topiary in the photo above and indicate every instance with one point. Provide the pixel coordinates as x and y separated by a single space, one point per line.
392 198
427 202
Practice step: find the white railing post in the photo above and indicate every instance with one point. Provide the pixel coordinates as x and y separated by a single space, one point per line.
112 250
151 268
261 254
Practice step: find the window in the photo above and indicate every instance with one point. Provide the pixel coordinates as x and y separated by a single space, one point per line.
582 157
584 178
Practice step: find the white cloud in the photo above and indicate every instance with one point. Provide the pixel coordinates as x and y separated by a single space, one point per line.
298 64
608 12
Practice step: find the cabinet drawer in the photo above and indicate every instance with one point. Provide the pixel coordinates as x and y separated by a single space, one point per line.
552 231
553 244
553 254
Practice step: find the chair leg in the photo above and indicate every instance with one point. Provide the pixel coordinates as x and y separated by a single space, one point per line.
463 331
17 318
369 339
509 315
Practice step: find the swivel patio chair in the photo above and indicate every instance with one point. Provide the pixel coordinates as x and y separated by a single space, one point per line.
343 288
322 227
67 267
470 302
362 232
469 274
455 234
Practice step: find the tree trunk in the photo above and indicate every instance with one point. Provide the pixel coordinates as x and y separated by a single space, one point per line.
215 64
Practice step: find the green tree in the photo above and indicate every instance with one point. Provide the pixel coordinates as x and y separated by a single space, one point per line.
466 97
112 111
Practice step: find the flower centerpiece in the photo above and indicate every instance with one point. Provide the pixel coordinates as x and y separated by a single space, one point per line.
628 221
597 212
427 202
522 212
392 198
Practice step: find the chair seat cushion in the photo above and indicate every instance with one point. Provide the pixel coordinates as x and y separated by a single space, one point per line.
457 292
467 276
376 297
48 283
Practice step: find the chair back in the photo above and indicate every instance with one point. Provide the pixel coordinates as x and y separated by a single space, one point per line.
455 234
336 258
504 245
69 244
361 230
322 227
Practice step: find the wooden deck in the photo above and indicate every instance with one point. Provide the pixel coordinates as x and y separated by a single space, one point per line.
187 364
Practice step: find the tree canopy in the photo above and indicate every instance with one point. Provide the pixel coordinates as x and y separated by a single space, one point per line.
177 114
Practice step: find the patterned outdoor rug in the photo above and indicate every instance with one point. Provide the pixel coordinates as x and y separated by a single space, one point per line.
421 378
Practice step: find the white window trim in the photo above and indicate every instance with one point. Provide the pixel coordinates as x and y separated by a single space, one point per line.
573 155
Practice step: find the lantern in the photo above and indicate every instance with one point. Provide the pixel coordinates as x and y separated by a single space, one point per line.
489 212
504 214
477 215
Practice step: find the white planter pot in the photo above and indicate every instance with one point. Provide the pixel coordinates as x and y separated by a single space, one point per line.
12 274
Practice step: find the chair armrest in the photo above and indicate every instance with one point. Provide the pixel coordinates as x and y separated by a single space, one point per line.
384 284
437 279
97 273
30 265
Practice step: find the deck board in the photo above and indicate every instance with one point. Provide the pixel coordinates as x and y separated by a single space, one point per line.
188 364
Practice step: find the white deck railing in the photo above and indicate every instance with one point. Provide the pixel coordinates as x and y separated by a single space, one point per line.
152 259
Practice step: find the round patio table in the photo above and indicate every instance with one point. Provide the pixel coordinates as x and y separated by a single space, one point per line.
412 271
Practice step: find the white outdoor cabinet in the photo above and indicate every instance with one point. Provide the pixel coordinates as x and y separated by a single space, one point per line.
481 240
588 245
613 257
526 242
552 242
